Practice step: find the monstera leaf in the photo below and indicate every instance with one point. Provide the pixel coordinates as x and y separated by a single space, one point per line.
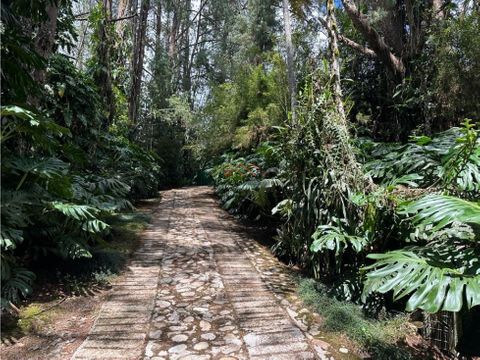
446 279
336 239
441 211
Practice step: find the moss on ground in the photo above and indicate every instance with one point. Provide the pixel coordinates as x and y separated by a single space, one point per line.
32 317
381 339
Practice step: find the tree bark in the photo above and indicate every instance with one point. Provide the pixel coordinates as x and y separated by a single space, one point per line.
437 7
172 40
186 81
45 39
121 13
103 76
292 86
158 25
334 63
137 62
393 62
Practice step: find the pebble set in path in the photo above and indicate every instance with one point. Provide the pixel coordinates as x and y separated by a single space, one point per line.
201 289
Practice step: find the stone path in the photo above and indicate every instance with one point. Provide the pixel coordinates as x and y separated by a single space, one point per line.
200 288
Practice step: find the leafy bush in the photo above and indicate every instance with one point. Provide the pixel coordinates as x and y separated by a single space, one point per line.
408 218
248 185
63 176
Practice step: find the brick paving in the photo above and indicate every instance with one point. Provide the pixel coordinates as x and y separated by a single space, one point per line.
200 288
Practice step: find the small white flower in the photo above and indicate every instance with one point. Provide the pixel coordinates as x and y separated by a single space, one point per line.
49 89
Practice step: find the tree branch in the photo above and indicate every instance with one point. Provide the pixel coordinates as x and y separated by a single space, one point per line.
123 18
363 49
112 20
377 43
354 45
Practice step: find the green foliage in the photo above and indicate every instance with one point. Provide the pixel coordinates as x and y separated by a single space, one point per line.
439 211
380 338
450 158
320 172
240 114
16 282
169 132
455 84
63 173
437 277
442 271
328 237
248 185
335 223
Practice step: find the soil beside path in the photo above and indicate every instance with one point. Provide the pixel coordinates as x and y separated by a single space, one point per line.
200 288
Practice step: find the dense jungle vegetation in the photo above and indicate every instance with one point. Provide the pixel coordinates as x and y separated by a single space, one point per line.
351 127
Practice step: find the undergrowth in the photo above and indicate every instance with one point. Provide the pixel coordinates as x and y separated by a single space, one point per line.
86 275
79 277
380 338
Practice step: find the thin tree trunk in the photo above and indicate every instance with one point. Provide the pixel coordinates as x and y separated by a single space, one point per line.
79 60
103 76
137 62
158 27
292 86
172 43
195 47
437 7
186 81
45 39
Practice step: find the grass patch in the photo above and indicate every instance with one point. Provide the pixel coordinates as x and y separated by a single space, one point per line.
124 235
31 318
380 338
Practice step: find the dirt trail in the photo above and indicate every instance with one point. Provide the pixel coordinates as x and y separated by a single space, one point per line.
200 288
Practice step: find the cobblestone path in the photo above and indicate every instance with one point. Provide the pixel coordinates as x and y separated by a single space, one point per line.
200 288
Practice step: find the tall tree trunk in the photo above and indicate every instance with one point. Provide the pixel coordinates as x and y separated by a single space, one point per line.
292 85
79 60
334 63
45 39
186 81
438 11
158 25
198 37
172 39
103 76
137 62
121 13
